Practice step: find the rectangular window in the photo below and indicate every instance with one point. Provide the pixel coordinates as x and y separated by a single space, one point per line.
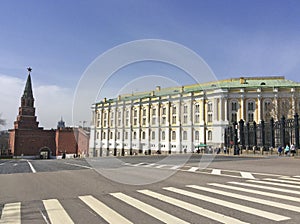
173 110
209 118
174 119
197 118
185 119
251 106
209 107
164 111
197 108
126 135
154 111
144 121
153 120
185 108
163 120
134 121
234 106
127 121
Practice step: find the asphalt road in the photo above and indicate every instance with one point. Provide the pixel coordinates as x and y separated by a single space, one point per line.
151 189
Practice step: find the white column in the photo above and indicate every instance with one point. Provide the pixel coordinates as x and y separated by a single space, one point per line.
242 112
259 109
226 109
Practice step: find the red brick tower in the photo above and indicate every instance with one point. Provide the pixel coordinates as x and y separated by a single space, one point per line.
27 139
26 118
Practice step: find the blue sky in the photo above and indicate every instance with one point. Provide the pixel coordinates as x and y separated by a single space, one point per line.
60 39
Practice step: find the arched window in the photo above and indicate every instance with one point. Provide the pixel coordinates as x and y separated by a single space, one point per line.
184 135
163 135
153 135
197 135
143 135
209 135
173 135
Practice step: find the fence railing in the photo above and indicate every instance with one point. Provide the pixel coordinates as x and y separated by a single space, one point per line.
264 136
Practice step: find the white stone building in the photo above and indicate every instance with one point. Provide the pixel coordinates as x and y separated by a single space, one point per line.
179 119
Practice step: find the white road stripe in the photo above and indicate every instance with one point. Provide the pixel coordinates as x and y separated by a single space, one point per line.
31 167
282 181
297 177
248 198
266 187
247 175
239 207
193 169
161 166
290 178
216 172
56 212
104 211
193 208
175 167
11 213
285 197
138 164
151 164
150 210
273 183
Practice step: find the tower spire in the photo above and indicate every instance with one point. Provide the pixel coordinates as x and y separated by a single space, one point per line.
28 87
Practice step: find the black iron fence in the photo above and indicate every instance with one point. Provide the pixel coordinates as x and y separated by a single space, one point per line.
264 136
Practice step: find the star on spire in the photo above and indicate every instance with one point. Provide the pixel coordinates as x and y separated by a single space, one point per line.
29 69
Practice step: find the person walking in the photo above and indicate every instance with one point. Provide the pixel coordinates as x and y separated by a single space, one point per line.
287 150
279 150
293 149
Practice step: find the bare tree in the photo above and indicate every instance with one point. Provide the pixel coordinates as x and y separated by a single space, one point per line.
2 121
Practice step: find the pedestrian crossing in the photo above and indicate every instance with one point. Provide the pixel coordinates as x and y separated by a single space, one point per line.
268 200
198 169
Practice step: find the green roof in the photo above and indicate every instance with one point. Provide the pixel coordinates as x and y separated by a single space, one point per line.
242 82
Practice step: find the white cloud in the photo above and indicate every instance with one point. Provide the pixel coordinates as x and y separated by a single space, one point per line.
51 102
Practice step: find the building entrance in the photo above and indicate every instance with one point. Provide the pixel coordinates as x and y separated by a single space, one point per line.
45 153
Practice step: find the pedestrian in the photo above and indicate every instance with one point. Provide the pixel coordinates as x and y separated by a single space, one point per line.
287 150
293 149
224 149
279 150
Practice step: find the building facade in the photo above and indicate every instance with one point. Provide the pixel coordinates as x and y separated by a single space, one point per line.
28 140
182 118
